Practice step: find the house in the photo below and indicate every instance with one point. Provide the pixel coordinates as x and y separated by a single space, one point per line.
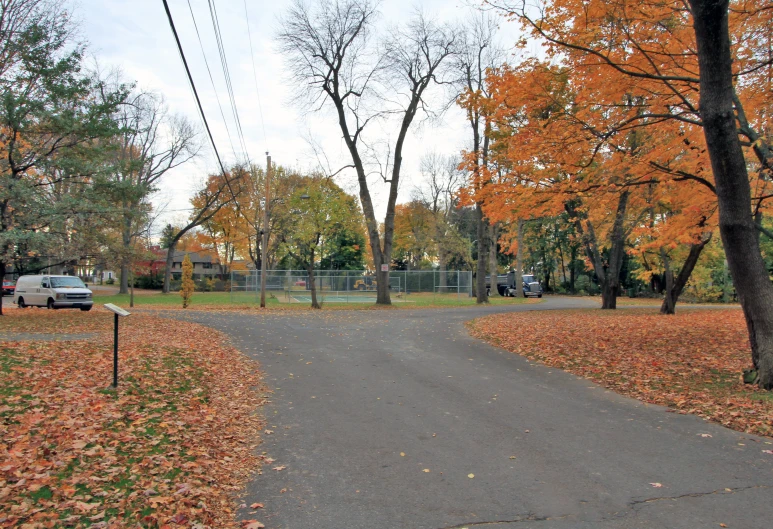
102 276
204 267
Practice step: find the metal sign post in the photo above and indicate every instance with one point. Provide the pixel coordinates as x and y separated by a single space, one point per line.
118 311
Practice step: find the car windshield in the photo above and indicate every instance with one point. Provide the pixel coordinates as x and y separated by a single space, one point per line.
66 282
528 279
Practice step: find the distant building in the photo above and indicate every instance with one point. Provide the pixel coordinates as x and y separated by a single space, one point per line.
204 267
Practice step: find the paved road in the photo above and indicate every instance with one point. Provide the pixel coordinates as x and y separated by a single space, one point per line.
365 401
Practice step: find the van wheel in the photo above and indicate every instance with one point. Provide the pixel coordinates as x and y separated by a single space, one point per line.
50 304
21 303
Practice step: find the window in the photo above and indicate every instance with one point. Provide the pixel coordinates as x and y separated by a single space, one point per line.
67 282
206 265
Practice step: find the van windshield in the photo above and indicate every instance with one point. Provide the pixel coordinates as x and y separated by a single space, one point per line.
66 282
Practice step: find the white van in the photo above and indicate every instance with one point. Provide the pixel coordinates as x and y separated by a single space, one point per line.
54 292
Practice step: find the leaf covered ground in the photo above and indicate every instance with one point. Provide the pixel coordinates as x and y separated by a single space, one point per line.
690 362
169 448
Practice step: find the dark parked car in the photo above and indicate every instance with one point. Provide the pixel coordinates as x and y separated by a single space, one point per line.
8 287
506 285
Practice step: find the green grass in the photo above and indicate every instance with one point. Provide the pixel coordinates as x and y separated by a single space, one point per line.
173 300
13 397
279 300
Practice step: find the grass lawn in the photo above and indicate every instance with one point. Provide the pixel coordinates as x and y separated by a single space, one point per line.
278 300
200 299
691 361
167 448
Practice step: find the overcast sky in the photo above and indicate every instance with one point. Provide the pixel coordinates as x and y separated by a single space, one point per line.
134 35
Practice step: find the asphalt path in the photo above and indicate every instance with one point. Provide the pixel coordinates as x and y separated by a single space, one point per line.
392 419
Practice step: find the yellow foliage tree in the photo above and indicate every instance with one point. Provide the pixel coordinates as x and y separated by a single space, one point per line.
187 287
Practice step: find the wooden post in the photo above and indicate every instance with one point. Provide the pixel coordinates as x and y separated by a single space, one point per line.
264 250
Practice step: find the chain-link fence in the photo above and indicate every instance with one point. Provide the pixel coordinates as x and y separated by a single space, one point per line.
348 286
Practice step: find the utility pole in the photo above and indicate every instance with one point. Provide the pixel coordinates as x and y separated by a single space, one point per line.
264 253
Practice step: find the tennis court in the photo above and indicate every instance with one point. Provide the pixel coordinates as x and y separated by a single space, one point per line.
339 297
348 286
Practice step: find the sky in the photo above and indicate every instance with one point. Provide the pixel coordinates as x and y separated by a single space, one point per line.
134 36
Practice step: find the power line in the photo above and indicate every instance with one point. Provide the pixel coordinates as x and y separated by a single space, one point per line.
198 100
201 111
255 74
227 75
212 80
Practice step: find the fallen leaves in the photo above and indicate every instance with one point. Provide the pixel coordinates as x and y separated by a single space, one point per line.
168 448
656 485
689 361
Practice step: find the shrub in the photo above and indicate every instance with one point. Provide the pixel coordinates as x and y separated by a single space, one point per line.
187 288
150 282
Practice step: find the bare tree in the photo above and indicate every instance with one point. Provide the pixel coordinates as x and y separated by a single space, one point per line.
478 53
152 143
332 56
441 179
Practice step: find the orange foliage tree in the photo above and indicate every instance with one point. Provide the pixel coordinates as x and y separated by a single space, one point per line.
552 152
697 72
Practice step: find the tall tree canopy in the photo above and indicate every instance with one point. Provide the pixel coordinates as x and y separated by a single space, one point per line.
53 116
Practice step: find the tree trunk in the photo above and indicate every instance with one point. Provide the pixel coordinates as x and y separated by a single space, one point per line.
678 284
2 276
609 275
312 284
668 302
168 269
611 282
382 288
493 264
442 267
124 278
573 258
480 278
736 225
131 290
563 266
126 239
519 260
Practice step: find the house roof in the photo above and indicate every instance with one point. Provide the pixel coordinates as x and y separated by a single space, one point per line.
195 257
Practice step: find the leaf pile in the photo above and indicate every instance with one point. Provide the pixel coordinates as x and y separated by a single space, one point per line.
169 448
37 320
691 361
